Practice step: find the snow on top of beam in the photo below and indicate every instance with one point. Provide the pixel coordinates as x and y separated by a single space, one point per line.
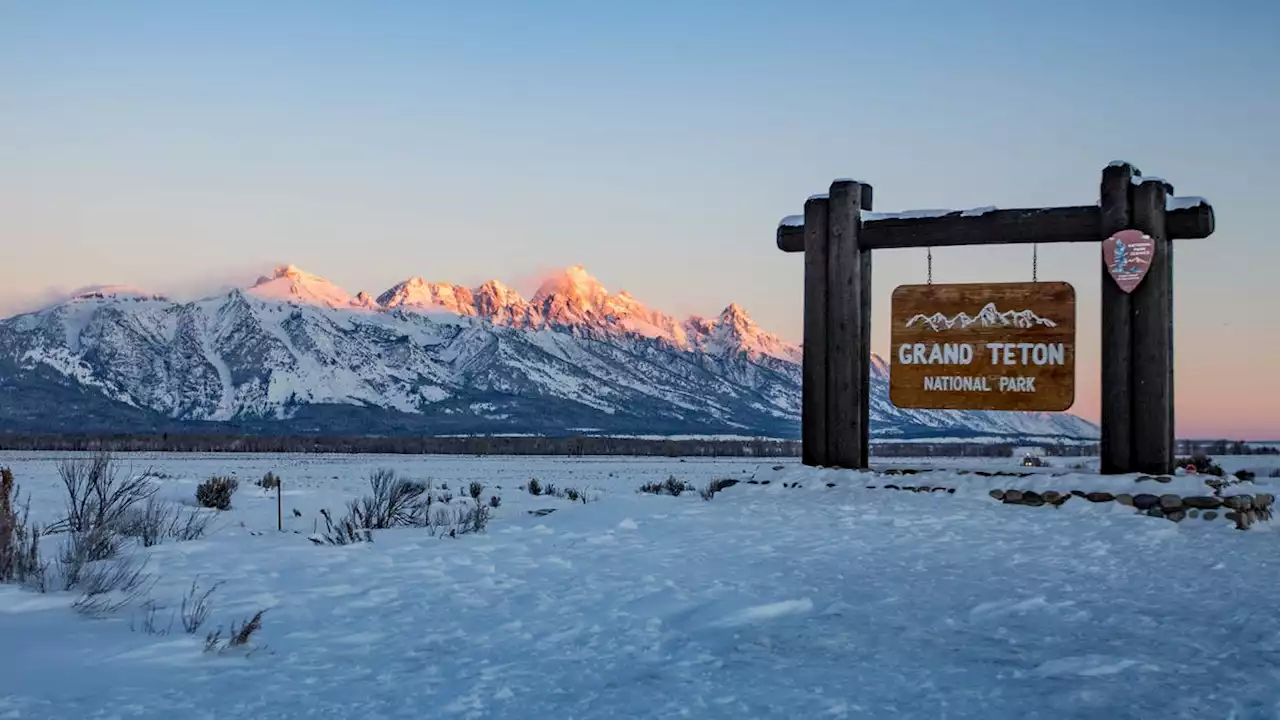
1183 203
1139 179
843 180
1119 163
927 213
792 221
819 196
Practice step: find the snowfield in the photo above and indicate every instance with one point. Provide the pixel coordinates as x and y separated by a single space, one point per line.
764 602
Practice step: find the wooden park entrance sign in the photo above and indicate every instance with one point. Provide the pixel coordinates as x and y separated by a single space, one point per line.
1007 346
1133 223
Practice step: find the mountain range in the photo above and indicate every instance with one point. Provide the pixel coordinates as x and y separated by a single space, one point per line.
297 354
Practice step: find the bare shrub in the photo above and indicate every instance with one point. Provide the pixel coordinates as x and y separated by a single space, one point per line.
671 486
535 487
270 481
195 608
98 494
19 539
82 549
157 521
216 492
474 519
149 622
108 585
394 502
476 490
494 501
716 486
240 635
344 532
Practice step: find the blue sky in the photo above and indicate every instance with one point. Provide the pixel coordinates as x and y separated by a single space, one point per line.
190 144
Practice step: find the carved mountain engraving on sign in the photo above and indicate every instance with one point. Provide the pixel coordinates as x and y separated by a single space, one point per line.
983 346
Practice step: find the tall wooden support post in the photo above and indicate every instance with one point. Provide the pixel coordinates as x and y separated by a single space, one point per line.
1137 333
1152 319
847 318
864 308
813 407
1116 443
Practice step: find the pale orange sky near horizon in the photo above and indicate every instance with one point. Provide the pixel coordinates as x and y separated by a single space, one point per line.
185 147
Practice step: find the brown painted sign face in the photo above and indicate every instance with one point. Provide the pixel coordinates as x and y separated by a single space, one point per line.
984 346
1127 255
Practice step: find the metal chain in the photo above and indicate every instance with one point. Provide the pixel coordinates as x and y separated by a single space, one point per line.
1035 263
930 266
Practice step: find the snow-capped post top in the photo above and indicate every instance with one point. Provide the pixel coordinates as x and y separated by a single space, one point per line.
1127 256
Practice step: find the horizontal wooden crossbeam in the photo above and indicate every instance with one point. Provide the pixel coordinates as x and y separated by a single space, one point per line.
1185 221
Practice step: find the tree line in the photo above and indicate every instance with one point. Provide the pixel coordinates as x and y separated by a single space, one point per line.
495 445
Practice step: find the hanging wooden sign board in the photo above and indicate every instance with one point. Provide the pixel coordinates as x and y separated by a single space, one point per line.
983 346
1127 255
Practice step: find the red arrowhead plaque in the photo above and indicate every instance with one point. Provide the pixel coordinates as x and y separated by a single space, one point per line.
1128 256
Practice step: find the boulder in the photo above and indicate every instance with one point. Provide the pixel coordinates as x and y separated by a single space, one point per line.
997 494
1100 497
1034 499
1013 496
1145 501
1125 499
1210 515
1238 502
1263 500
1204 502
1170 502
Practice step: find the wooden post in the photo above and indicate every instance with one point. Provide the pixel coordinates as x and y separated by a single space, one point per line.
279 508
813 410
1116 447
845 346
864 402
1152 319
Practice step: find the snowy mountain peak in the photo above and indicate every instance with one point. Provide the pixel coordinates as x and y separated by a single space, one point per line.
114 292
290 284
573 282
416 293
734 332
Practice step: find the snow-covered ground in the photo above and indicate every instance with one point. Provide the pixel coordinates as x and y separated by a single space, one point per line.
767 601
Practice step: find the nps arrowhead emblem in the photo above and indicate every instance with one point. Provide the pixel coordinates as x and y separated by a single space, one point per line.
1128 255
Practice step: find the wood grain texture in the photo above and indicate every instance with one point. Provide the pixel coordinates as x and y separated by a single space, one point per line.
1152 318
929 319
1005 227
844 325
1116 443
864 397
813 403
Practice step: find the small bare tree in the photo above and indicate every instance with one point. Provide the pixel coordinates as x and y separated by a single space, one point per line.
98 494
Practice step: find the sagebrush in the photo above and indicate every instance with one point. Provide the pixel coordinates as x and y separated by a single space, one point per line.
216 492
